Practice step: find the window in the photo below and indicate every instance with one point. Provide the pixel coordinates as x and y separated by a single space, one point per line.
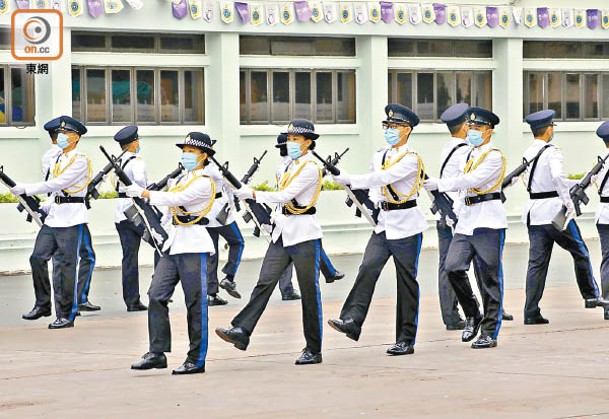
16 96
566 50
138 42
276 96
296 46
127 95
575 96
429 93
404 47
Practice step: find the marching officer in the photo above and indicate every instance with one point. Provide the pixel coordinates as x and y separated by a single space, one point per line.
222 223
65 227
602 215
129 234
296 237
480 232
184 258
397 176
548 192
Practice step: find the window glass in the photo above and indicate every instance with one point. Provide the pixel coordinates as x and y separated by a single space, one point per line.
281 96
444 89
121 96
243 96
130 41
605 96
535 90
88 41
296 46
302 88
193 96
183 43
144 81
425 102
591 96
324 97
259 110
464 87
404 89
572 99
170 107
555 93
96 95
484 89
405 47
76 94
22 96
345 96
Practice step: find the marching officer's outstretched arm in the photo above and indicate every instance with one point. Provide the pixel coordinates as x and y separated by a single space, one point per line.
404 169
140 175
558 175
200 189
309 177
68 178
488 171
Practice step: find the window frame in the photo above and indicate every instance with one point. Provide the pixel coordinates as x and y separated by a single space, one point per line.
157 49
8 96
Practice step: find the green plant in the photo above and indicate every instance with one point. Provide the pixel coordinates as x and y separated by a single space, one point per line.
575 176
263 187
7 198
330 186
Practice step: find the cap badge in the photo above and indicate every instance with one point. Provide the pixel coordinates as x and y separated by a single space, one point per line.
390 112
472 116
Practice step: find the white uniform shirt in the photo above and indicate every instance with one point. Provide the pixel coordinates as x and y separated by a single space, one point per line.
279 171
186 239
488 214
396 224
213 172
136 170
549 176
74 177
295 229
48 160
454 167
602 211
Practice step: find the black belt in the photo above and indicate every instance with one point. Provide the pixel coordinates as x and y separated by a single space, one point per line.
473 200
605 199
310 211
190 218
69 199
122 195
543 195
389 206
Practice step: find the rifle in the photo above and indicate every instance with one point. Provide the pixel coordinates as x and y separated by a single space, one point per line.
578 196
161 184
355 199
443 204
30 204
141 212
92 191
517 172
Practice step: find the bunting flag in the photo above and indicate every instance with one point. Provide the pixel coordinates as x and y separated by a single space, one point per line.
227 11
287 13
75 7
580 18
38 4
135 4
113 6
517 12
4 7
317 14
543 17
454 15
95 8
492 16
505 17
387 14
594 18
330 12
414 14
467 16
208 10
555 18
480 16
530 17
605 21
374 12
568 19
361 13
243 11
196 9
440 11
429 14
23 4
256 13
400 13
346 12
272 14
302 10
59 5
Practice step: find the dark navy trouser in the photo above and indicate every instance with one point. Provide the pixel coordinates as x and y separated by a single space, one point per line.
236 244
130 236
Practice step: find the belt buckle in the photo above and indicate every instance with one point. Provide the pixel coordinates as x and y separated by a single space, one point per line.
385 206
57 199
468 201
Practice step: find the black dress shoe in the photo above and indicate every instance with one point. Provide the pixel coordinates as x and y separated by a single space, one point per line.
348 327
401 348
472 325
484 342
61 323
139 306
458 325
36 313
215 300
235 335
506 316
230 287
337 276
87 306
188 368
606 316
596 302
291 296
539 319
308 357
151 360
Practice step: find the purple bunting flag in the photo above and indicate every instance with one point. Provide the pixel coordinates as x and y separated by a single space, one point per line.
180 9
440 11
303 11
387 11
23 4
95 8
543 17
243 9
594 18
492 16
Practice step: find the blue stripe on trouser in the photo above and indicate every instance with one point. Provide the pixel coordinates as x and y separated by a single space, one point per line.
318 290
235 229
204 317
582 247
89 248
500 277
77 268
416 271
329 265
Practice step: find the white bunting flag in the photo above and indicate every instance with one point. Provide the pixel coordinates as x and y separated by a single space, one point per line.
317 11
361 13
330 12
517 12
605 19
135 4
454 15
374 12
4 7
429 15
580 18
415 14
39 4
555 17
113 6
256 13
208 10
480 16
227 11
196 8
567 17
75 7
346 12
505 17
272 14
467 16
530 17
59 5
287 13
399 11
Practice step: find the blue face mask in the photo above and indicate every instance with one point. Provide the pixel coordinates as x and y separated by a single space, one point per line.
392 136
62 140
474 137
137 150
294 150
189 160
